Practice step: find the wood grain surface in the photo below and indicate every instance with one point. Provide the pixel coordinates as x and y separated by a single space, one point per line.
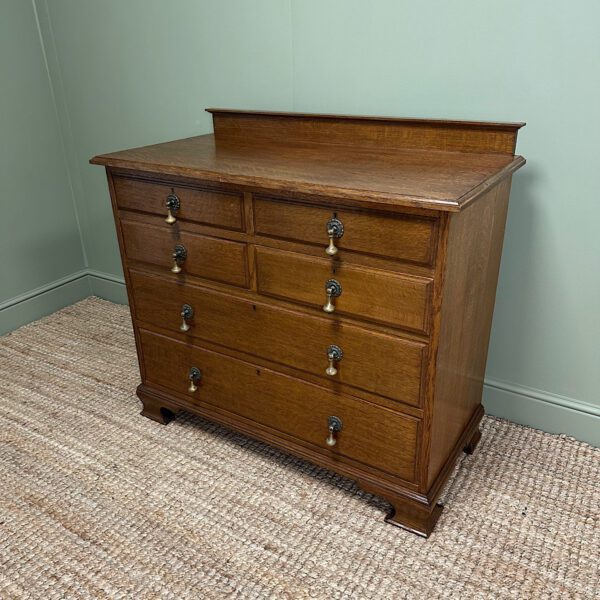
399 237
371 294
209 257
474 248
438 165
423 204
286 404
387 365
380 133
207 206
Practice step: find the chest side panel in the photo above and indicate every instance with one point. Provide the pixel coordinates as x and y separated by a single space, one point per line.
472 264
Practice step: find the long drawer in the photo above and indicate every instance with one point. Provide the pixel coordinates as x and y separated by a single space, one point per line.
397 300
206 206
371 435
386 365
205 256
401 237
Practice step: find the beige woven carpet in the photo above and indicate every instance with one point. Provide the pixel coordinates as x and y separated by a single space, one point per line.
99 502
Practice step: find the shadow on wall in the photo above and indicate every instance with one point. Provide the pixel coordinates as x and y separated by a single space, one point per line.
509 354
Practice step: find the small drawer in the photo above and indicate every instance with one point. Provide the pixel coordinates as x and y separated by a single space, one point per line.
375 436
199 255
382 364
397 300
209 207
403 237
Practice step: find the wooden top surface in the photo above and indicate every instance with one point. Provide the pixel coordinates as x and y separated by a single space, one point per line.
399 162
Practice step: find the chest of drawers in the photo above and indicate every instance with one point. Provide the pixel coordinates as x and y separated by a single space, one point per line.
325 284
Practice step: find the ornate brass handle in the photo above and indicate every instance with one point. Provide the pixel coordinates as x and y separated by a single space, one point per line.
335 230
194 375
187 312
179 255
333 289
173 206
334 354
335 426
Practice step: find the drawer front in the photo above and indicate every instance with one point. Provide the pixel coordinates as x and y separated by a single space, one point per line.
397 300
220 209
371 435
400 237
386 365
208 257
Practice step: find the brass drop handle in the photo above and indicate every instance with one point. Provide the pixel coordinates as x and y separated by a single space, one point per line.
173 206
187 312
194 375
179 255
334 355
335 230
335 426
333 289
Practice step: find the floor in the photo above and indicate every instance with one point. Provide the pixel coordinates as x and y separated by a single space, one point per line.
99 502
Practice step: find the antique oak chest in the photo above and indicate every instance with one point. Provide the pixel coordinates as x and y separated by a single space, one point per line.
324 284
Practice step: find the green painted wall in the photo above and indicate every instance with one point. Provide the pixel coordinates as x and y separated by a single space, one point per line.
142 71
40 244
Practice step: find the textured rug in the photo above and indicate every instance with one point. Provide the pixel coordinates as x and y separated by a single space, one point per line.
99 502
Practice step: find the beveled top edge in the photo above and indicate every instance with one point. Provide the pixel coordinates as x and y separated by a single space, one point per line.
381 199
509 126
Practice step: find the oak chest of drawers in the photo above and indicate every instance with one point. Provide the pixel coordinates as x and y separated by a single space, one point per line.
325 284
